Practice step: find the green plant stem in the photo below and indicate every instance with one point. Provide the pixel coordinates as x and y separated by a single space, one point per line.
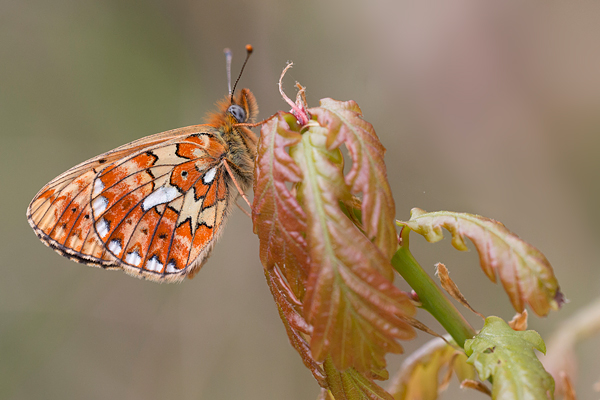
430 295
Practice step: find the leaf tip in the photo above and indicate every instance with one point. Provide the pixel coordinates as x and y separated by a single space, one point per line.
559 299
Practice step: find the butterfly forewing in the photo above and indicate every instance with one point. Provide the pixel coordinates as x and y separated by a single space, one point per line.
60 213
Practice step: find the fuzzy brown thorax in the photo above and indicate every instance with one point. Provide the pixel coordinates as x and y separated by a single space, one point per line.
240 140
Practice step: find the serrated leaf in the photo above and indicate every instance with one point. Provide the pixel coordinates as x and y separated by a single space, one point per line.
279 220
367 175
290 312
507 356
525 273
419 376
355 310
351 385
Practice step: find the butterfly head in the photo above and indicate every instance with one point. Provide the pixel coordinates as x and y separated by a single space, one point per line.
241 109
237 112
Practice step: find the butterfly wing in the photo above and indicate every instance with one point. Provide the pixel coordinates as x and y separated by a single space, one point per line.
60 213
153 207
159 212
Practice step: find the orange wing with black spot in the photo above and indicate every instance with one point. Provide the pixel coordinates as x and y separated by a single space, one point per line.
153 208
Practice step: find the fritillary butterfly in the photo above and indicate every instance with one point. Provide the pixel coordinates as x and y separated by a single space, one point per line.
154 207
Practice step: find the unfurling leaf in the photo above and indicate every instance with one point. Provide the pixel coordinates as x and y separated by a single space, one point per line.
351 385
367 176
451 288
279 220
326 253
419 376
525 273
476 385
295 325
519 321
508 357
355 310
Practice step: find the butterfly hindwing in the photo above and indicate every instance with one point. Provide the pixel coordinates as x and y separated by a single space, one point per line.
60 214
159 212
156 206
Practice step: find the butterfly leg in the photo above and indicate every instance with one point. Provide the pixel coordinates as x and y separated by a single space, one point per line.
243 209
235 182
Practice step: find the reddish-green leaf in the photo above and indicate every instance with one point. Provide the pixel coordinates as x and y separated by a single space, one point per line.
290 312
279 220
355 310
367 175
351 385
525 273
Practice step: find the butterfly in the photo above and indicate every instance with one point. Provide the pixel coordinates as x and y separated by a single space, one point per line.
156 206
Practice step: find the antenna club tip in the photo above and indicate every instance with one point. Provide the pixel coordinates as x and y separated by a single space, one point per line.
227 50
249 48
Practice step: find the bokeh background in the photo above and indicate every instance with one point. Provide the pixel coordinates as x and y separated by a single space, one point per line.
484 107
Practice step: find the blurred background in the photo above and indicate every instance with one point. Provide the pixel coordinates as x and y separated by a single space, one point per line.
485 107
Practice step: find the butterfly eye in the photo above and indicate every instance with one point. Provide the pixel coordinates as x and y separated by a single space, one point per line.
238 113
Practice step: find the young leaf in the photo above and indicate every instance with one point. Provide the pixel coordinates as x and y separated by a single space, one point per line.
295 326
279 220
476 385
351 385
368 173
508 357
419 376
525 273
519 321
451 288
355 310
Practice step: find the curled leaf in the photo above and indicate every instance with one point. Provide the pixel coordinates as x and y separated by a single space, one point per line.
295 326
367 176
476 385
351 303
519 321
419 375
525 273
451 288
507 356
279 220
351 385
330 274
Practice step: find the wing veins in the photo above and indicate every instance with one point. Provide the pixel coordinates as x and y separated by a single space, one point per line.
152 239
151 182
71 230
215 220
65 210
134 231
53 201
145 170
173 238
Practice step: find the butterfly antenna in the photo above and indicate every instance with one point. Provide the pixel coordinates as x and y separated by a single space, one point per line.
227 52
248 52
